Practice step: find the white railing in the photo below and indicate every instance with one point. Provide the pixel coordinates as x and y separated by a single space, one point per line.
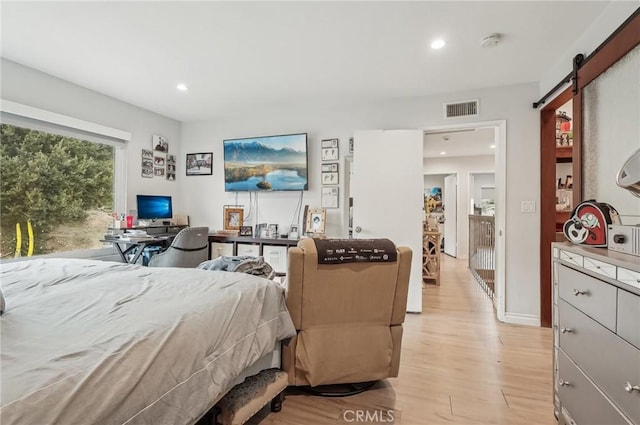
482 250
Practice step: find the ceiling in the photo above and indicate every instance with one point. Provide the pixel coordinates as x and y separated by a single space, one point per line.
472 142
240 58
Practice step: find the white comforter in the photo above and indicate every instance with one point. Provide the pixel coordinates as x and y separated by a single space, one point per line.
92 342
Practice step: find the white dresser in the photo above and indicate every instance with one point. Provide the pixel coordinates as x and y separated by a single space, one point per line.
596 321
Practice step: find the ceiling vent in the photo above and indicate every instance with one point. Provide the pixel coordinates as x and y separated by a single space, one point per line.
469 108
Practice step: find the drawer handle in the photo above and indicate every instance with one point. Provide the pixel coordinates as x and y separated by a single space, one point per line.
577 292
566 330
564 383
631 388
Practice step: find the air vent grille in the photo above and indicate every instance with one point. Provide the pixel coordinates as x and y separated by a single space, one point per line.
468 108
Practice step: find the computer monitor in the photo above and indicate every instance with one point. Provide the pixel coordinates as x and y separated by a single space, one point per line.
154 207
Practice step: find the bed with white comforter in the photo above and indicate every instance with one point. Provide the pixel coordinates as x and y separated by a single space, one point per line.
93 342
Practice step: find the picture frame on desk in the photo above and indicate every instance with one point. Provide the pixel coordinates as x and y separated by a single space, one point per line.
246 231
233 218
272 231
261 230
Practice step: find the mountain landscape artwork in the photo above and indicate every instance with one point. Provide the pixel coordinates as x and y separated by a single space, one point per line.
266 163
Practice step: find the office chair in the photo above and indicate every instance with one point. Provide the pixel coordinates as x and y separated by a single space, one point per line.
188 249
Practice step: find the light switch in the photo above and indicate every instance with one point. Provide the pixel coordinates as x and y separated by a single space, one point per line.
528 207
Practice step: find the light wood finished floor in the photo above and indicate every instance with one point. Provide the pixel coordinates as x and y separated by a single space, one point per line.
459 365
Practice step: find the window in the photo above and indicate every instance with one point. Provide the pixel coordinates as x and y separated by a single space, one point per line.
60 181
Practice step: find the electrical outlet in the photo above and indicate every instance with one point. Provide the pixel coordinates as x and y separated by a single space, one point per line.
528 207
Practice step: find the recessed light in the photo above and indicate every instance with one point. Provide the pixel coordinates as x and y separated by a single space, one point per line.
492 146
437 44
182 87
443 153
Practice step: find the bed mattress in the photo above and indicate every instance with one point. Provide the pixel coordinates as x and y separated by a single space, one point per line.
109 343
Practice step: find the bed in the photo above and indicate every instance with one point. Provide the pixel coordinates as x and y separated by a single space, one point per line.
95 342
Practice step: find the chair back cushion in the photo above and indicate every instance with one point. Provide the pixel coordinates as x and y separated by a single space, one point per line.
189 248
345 293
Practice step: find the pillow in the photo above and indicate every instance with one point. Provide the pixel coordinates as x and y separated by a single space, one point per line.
2 304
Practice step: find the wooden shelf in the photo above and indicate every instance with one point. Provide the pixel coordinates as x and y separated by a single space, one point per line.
564 154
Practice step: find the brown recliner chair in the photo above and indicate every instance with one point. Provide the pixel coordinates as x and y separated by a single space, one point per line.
348 318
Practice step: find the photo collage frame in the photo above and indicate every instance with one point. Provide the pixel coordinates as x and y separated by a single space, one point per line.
157 162
330 174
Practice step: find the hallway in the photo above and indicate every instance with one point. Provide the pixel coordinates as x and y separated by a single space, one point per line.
459 365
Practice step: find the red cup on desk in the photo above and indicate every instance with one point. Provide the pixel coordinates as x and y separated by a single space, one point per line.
129 221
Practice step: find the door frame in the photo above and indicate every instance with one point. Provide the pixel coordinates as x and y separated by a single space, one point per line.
456 215
500 127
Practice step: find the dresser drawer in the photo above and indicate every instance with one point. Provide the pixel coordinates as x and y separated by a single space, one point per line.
596 266
570 257
595 298
629 317
583 401
605 357
629 277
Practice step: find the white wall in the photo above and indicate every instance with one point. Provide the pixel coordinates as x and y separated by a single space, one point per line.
205 195
34 88
463 166
480 180
610 19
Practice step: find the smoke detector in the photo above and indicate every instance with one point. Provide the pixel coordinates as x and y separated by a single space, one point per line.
490 41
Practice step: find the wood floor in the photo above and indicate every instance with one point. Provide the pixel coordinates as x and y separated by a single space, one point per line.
459 365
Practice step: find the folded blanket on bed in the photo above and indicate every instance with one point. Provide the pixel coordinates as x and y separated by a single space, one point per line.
241 264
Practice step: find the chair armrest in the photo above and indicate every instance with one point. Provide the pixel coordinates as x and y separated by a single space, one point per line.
402 285
293 294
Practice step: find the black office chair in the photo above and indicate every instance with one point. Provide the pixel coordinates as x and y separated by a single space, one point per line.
188 249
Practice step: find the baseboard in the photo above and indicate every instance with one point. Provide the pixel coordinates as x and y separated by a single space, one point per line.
522 319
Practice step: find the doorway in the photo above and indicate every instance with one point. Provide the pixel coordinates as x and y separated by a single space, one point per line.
483 152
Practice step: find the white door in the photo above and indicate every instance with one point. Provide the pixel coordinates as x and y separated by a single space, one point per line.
387 186
450 202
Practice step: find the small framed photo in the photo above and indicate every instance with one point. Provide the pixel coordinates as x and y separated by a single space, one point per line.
273 231
329 197
158 161
147 154
171 176
261 230
200 164
246 231
315 220
330 178
294 232
147 172
330 168
329 149
171 159
158 171
329 154
160 143
329 143
233 218
350 144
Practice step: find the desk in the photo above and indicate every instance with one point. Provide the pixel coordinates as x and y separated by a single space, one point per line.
133 247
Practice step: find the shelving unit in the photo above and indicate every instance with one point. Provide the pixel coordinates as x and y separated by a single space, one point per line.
274 251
